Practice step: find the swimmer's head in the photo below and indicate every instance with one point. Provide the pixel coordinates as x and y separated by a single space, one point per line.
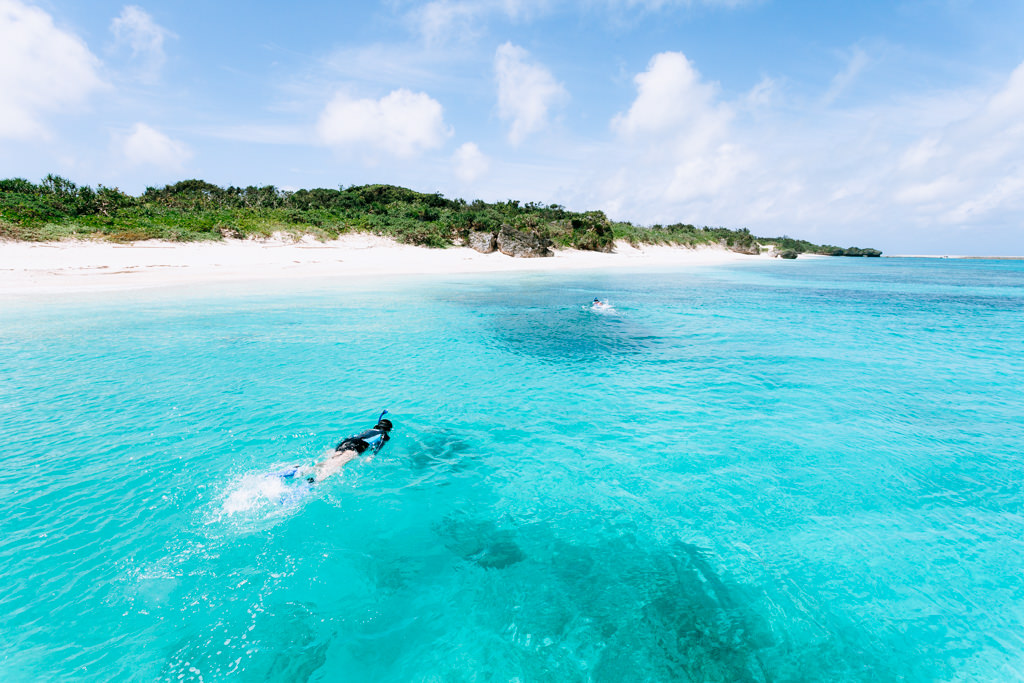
384 425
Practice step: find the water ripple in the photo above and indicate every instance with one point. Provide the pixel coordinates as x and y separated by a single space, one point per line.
756 473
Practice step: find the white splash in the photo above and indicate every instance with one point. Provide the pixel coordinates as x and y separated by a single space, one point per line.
602 308
255 491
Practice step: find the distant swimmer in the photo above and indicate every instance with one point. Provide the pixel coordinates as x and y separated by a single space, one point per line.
599 304
347 450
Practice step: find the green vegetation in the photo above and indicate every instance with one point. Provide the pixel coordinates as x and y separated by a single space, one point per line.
193 210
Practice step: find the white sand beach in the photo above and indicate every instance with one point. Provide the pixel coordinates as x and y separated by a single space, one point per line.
55 267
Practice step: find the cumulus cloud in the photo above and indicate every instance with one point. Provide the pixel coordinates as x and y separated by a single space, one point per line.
146 146
527 92
402 123
680 131
670 94
45 69
470 163
903 174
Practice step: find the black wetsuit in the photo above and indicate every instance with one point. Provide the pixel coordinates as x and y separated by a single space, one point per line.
372 438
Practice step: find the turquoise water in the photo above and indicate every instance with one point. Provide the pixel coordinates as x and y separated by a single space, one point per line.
785 471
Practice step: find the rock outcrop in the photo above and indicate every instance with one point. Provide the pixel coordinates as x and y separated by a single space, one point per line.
484 242
512 242
749 248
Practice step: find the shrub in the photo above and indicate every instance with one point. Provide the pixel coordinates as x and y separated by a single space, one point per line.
197 210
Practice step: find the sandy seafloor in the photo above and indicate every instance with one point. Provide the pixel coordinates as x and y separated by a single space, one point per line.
752 469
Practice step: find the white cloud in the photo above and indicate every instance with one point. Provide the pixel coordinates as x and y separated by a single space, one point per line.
402 123
762 95
387 66
470 163
920 154
670 95
906 175
655 5
922 193
527 92
525 9
1009 102
135 29
856 64
146 146
447 21
1005 195
678 134
968 168
443 21
44 69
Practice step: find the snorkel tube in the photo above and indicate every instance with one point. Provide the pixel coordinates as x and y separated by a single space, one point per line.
380 434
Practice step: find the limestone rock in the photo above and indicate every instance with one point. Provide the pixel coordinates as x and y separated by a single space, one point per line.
484 242
520 244
750 248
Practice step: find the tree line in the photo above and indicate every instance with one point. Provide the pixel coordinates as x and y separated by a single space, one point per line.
191 210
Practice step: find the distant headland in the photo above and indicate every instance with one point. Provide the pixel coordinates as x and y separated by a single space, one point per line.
196 211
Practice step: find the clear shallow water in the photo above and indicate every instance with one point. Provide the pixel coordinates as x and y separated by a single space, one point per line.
787 471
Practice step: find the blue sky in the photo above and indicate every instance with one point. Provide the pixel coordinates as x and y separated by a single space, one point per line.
897 125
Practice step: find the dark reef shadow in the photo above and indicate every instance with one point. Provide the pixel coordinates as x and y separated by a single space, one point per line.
571 334
281 645
439 459
657 612
549 324
480 541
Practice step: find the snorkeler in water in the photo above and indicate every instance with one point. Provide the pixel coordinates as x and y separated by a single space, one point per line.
347 450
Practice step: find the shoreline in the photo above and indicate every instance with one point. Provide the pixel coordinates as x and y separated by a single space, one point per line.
955 256
87 266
